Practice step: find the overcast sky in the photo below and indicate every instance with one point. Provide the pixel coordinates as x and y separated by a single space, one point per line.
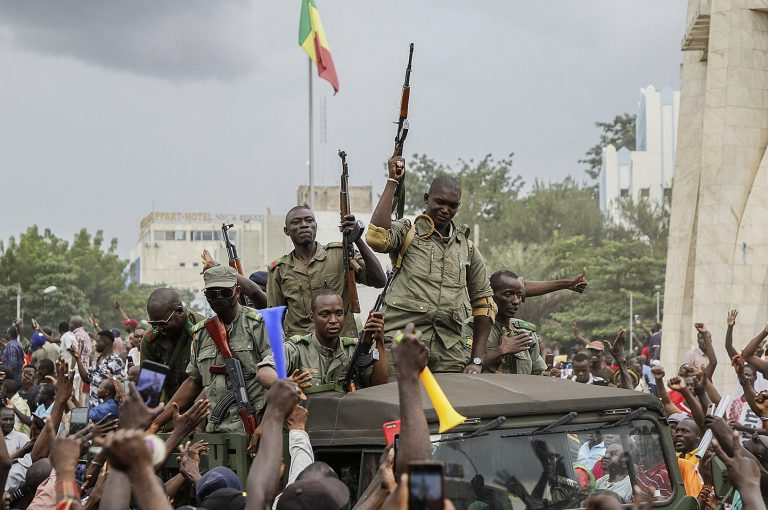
109 108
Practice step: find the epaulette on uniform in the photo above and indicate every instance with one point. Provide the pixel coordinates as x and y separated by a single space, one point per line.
200 325
255 315
346 341
150 336
334 244
297 338
521 324
273 265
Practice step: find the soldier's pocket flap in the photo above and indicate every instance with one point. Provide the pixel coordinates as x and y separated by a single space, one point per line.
208 352
411 305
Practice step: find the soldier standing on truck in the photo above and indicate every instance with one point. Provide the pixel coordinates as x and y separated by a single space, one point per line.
247 339
443 276
295 278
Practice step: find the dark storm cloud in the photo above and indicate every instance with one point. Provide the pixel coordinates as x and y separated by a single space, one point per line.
174 39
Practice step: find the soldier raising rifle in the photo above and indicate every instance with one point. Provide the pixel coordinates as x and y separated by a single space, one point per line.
296 278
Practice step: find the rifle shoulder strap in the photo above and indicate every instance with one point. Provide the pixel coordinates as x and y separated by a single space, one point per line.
406 244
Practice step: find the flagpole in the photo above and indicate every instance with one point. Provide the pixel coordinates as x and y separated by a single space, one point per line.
311 140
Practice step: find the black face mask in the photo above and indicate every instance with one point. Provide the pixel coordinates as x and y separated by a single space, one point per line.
219 305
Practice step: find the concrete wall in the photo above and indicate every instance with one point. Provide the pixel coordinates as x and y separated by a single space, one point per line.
718 245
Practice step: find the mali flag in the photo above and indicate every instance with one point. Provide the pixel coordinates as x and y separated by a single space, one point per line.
312 39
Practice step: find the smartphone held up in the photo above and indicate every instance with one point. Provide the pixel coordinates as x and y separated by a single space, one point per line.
151 381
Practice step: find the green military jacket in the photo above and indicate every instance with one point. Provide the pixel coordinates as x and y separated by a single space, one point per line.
159 348
294 284
438 279
327 366
525 362
249 343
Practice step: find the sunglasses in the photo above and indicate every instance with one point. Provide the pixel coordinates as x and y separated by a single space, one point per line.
166 321
219 293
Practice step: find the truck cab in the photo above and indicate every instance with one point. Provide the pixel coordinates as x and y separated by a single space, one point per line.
529 442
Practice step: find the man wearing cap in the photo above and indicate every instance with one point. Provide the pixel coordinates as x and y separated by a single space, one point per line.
247 339
325 355
513 344
295 278
597 364
169 339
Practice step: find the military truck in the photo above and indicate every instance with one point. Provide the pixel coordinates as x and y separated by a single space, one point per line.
529 442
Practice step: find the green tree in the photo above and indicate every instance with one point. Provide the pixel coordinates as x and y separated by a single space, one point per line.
560 209
620 132
88 279
488 187
643 221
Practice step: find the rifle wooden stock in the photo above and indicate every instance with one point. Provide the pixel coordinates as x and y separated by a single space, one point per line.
404 102
398 203
351 267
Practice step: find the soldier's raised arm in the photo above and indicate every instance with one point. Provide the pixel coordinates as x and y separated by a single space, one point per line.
382 215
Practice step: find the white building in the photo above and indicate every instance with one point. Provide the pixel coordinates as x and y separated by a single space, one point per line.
170 245
645 173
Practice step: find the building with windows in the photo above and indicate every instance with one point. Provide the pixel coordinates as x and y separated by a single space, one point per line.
170 245
646 172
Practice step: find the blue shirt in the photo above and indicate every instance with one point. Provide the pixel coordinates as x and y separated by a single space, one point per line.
100 411
42 412
13 357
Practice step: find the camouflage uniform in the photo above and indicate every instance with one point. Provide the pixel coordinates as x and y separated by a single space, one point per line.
294 284
249 343
524 362
159 348
441 282
327 366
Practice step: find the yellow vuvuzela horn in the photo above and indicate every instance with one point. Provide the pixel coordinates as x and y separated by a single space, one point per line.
447 415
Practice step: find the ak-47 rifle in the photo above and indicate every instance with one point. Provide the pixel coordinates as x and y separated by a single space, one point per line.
363 358
351 267
398 204
237 393
234 260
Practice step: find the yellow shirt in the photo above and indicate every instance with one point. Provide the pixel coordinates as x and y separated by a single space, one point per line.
23 407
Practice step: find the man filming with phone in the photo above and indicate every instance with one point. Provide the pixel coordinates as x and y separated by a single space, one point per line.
247 339
169 339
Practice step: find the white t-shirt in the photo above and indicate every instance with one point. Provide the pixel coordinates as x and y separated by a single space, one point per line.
622 487
68 341
15 441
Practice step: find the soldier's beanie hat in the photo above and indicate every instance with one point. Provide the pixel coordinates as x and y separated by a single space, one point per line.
259 277
314 494
216 478
228 498
220 276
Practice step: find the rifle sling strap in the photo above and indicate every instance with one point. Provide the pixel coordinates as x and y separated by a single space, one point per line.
406 244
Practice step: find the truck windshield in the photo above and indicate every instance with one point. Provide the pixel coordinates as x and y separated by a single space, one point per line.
556 470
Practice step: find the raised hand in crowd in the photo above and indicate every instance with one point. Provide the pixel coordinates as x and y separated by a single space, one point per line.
743 472
730 322
410 358
189 460
65 454
134 413
382 485
128 453
616 348
579 282
263 476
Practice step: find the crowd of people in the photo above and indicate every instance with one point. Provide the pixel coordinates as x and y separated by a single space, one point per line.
73 395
